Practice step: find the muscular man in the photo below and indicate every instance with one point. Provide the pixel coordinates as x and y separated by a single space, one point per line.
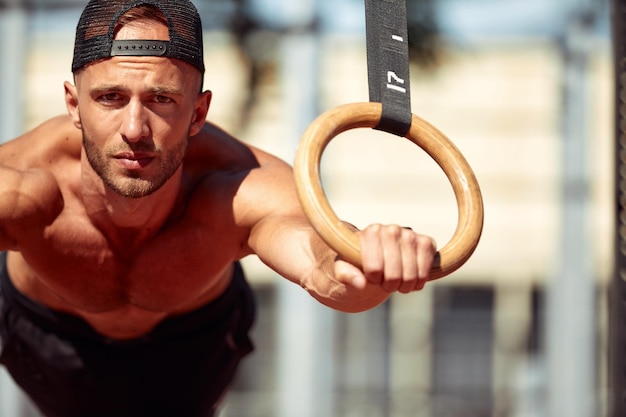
123 224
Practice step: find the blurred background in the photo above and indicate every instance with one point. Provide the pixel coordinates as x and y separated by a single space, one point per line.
524 88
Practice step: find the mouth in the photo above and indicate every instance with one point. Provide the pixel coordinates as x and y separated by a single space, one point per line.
134 161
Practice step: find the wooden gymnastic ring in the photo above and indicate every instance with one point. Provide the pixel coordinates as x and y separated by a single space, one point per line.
343 240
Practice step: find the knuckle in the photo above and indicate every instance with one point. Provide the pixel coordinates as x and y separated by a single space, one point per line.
410 238
373 229
392 231
425 242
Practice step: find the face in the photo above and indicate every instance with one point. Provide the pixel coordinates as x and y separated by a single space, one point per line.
136 114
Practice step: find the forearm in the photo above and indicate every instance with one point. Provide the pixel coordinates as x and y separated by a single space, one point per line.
339 285
294 250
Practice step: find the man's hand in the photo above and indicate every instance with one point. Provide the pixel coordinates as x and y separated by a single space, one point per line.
394 258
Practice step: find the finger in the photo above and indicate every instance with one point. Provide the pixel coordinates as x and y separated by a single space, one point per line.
372 254
426 250
348 274
409 261
391 238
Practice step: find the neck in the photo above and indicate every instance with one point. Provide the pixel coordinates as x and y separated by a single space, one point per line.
117 216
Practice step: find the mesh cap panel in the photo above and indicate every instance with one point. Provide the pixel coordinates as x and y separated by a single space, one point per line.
95 32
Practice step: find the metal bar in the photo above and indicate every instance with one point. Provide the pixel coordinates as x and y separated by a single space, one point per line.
13 22
571 292
617 293
13 43
306 328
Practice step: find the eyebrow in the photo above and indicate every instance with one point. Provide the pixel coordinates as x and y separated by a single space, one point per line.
159 90
166 91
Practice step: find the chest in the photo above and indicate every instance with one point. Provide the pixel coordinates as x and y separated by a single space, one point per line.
173 267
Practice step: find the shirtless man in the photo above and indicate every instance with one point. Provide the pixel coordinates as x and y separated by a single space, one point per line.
123 224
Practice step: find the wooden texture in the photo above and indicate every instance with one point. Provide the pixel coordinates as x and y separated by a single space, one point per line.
343 240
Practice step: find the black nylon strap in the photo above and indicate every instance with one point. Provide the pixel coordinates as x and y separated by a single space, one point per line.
388 63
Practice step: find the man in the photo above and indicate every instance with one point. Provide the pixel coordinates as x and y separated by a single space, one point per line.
124 223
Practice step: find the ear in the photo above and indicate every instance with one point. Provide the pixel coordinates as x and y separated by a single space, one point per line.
201 109
71 102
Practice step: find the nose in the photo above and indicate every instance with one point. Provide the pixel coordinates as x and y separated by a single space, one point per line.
135 123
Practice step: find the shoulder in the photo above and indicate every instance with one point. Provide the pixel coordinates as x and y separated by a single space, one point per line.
44 146
216 153
259 183
30 201
35 169
214 149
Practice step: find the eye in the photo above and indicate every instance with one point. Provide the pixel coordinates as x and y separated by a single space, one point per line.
163 99
110 98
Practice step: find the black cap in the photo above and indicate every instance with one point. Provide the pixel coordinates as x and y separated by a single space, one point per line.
94 33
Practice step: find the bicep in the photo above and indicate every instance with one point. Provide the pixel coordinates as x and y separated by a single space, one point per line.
284 243
279 232
284 239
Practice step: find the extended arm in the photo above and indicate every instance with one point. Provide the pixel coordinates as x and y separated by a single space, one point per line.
394 258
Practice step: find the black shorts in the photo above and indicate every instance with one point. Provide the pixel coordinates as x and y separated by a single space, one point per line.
181 369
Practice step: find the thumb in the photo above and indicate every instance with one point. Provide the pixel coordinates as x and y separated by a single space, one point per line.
348 274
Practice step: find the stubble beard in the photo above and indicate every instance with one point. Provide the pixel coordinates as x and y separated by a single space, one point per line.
133 185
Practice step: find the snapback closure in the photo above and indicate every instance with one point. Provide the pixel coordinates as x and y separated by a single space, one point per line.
139 48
